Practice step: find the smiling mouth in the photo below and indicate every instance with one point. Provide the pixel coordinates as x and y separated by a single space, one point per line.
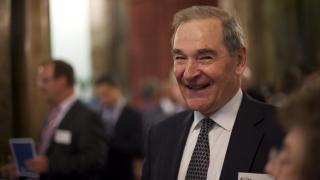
197 86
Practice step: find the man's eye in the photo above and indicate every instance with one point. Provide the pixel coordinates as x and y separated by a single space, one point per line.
179 58
206 57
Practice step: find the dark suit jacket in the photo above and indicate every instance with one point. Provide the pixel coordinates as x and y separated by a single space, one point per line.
254 133
125 145
84 157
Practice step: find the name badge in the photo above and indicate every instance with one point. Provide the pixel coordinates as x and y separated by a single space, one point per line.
62 136
254 176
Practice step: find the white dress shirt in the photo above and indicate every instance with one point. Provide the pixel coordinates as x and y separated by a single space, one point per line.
111 115
219 137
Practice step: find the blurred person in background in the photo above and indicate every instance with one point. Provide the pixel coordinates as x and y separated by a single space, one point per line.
150 93
123 127
248 86
170 102
72 142
299 159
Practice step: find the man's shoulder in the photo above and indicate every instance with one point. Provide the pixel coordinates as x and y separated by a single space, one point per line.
170 129
175 120
130 108
80 111
131 112
251 104
80 107
266 114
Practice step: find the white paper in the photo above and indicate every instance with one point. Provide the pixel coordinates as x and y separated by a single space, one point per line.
254 176
62 137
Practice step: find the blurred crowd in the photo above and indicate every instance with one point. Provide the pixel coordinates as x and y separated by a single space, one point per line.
106 138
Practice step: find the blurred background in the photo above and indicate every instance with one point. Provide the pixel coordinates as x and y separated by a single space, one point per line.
131 38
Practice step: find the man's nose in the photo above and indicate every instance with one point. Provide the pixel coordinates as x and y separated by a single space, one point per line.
191 70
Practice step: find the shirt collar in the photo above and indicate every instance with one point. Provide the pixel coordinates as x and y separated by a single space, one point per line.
118 108
65 105
225 116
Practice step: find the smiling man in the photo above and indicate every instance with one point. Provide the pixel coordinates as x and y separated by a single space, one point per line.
226 132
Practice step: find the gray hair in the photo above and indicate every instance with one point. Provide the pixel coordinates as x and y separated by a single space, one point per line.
232 32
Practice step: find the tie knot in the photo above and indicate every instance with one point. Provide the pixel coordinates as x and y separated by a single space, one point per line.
207 123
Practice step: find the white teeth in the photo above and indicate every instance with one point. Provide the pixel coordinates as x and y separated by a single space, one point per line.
197 86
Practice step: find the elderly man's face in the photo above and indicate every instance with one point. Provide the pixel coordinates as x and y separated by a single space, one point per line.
207 74
288 162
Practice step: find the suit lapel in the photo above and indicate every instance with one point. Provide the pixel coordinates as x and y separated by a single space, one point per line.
63 124
121 121
245 140
177 141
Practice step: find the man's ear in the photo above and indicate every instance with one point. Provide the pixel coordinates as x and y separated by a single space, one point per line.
241 58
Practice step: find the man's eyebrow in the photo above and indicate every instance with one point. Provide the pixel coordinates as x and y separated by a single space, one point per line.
207 51
176 51
199 51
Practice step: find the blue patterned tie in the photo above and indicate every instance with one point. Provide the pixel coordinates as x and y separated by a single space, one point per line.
199 163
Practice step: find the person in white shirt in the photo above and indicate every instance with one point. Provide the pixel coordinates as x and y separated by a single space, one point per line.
123 129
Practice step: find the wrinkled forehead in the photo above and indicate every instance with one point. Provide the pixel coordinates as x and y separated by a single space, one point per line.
204 24
204 29
200 35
